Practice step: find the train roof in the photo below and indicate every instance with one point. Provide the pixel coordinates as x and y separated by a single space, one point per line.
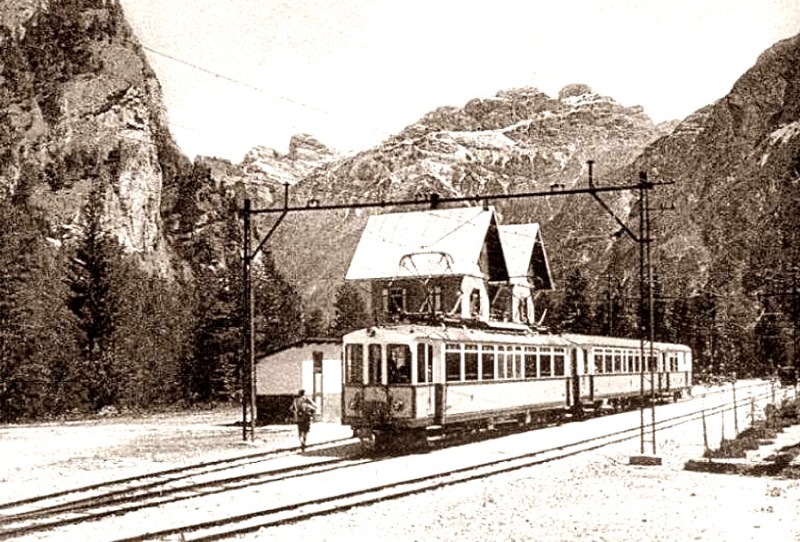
618 342
402 332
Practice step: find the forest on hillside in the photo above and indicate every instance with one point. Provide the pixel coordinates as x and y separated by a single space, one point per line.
85 328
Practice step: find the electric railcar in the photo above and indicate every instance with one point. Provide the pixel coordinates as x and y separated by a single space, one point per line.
424 380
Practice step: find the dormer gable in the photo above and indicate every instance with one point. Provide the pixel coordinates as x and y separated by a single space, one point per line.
526 256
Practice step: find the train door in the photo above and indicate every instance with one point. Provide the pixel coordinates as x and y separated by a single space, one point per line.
425 399
439 392
576 378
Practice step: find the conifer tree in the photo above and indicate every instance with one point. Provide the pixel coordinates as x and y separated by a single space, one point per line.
349 311
574 314
610 314
313 324
38 335
212 369
93 301
278 319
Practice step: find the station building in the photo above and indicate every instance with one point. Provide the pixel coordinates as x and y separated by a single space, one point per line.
451 263
447 264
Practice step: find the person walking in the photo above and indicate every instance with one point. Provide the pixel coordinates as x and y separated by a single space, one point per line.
303 410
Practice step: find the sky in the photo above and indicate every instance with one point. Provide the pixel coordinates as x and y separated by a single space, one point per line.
241 73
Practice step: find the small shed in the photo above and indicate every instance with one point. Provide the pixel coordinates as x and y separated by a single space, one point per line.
313 364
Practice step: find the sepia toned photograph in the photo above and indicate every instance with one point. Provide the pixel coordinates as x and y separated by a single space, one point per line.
400 271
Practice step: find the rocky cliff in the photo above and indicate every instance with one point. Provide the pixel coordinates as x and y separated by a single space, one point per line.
79 104
735 165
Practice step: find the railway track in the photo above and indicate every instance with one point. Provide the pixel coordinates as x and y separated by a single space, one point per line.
307 509
129 494
170 487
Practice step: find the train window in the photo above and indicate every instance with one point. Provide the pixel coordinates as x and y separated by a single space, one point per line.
500 374
354 364
375 364
424 363
558 364
546 364
637 363
452 363
470 362
511 363
651 363
617 362
487 363
530 362
429 364
598 362
519 362
398 361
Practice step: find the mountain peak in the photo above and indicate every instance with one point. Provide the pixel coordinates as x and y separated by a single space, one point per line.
575 89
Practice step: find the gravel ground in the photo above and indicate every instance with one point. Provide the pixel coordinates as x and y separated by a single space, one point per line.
591 497
595 496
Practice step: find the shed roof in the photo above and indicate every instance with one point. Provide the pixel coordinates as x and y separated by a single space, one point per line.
299 344
439 242
524 250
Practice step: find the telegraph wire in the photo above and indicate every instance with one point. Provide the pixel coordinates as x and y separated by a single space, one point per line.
234 80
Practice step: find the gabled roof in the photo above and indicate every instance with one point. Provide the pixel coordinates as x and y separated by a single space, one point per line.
523 249
441 242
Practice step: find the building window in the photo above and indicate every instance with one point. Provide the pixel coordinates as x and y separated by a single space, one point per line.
522 305
396 300
317 357
475 304
437 299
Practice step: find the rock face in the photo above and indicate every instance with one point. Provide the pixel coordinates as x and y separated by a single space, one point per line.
735 166
268 166
517 141
79 104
